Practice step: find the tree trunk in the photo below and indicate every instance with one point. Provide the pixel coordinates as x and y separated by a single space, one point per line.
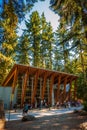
2 116
82 64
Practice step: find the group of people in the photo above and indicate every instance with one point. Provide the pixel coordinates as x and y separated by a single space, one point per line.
68 104
44 104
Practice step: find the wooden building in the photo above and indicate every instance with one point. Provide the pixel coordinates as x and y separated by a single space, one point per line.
37 83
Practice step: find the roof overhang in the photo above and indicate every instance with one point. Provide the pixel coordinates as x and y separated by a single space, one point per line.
22 69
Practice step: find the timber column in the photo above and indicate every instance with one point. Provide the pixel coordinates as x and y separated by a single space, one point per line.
70 92
24 88
51 88
13 86
75 89
58 89
35 88
44 85
64 91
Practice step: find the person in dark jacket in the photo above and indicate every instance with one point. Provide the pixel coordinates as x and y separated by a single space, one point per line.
25 108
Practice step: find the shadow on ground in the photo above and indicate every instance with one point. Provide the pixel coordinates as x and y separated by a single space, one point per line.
68 121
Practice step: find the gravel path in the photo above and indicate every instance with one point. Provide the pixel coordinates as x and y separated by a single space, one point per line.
68 121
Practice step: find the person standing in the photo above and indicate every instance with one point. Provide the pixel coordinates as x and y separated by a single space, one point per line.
25 108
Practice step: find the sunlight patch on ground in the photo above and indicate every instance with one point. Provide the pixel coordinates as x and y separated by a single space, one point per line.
40 113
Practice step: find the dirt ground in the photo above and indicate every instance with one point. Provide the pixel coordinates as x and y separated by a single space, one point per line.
70 121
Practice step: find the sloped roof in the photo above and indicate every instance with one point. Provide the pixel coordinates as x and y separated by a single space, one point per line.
21 69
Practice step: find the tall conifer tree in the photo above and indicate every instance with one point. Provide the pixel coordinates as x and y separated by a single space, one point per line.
9 40
33 31
22 53
43 41
74 14
50 45
60 35
47 39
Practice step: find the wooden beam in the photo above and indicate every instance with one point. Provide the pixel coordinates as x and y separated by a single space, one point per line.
5 84
24 87
64 91
14 80
58 88
63 78
44 85
51 88
41 86
75 89
35 87
13 86
70 93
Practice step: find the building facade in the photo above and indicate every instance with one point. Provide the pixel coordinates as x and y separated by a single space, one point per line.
34 84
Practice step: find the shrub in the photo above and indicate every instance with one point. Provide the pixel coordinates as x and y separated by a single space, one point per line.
85 105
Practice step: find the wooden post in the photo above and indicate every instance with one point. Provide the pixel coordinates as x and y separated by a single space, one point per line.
35 87
15 80
58 88
51 88
44 85
2 116
64 92
32 87
75 89
48 83
13 86
24 88
70 93
40 86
